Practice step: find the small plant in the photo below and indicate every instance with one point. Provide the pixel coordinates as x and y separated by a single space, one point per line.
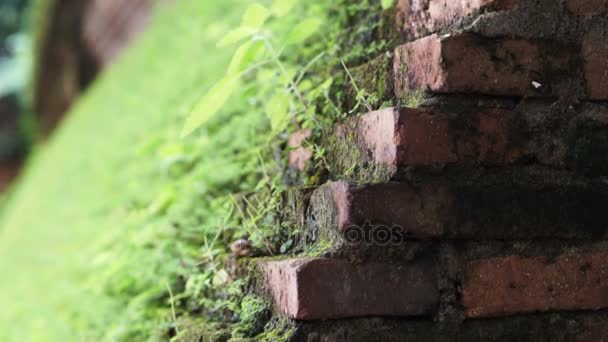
258 50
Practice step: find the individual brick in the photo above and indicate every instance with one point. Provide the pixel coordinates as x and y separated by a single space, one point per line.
466 63
515 284
427 136
475 210
323 288
416 18
595 55
299 154
587 7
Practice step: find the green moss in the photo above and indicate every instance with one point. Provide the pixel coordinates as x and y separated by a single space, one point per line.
255 313
375 80
351 163
279 329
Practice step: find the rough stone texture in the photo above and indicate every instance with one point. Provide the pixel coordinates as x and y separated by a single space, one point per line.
416 18
506 286
587 7
322 288
547 327
506 211
299 154
467 63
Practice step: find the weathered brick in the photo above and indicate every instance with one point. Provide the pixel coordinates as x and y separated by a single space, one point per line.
426 136
322 288
299 154
466 63
511 285
587 7
506 211
416 18
595 55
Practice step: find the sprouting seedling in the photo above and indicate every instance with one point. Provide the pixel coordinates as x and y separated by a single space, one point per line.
361 96
173 314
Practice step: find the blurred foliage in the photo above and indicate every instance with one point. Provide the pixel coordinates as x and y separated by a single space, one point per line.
15 53
15 68
120 229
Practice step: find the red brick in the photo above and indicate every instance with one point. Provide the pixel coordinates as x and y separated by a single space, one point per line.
299 154
320 288
418 17
505 211
587 7
595 55
419 211
515 284
467 63
424 136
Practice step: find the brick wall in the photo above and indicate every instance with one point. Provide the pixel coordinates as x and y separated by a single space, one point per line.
480 214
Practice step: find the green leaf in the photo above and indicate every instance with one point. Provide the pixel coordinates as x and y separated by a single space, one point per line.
386 4
277 110
304 30
210 104
282 7
255 16
244 55
235 36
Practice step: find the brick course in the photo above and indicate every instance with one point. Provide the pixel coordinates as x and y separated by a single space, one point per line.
579 327
532 132
464 211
